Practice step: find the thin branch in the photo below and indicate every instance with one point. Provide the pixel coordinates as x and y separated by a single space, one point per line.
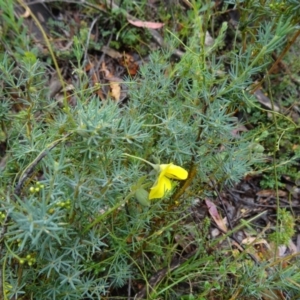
28 171
283 53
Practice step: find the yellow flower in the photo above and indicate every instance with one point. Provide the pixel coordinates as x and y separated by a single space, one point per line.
163 183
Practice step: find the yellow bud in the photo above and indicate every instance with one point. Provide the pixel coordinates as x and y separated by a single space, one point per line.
31 189
32 89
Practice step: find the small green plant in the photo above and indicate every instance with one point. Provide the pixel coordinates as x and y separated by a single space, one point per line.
285 230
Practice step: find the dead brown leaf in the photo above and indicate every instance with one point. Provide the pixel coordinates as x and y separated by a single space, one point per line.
115 90
151 25
114 83
129 63
212 209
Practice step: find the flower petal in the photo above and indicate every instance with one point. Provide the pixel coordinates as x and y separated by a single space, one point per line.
163 184
173 171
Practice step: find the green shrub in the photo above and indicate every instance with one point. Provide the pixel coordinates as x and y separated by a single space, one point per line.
73 225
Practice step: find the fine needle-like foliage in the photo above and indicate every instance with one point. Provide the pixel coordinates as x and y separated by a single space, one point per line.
76 218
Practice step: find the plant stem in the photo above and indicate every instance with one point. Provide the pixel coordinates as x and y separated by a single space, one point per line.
155 167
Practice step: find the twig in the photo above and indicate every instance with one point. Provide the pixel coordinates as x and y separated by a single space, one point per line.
48 44
28 171
88 39
192 171
129 289
285 50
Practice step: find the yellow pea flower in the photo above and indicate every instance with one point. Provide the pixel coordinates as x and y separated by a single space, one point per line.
163 183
